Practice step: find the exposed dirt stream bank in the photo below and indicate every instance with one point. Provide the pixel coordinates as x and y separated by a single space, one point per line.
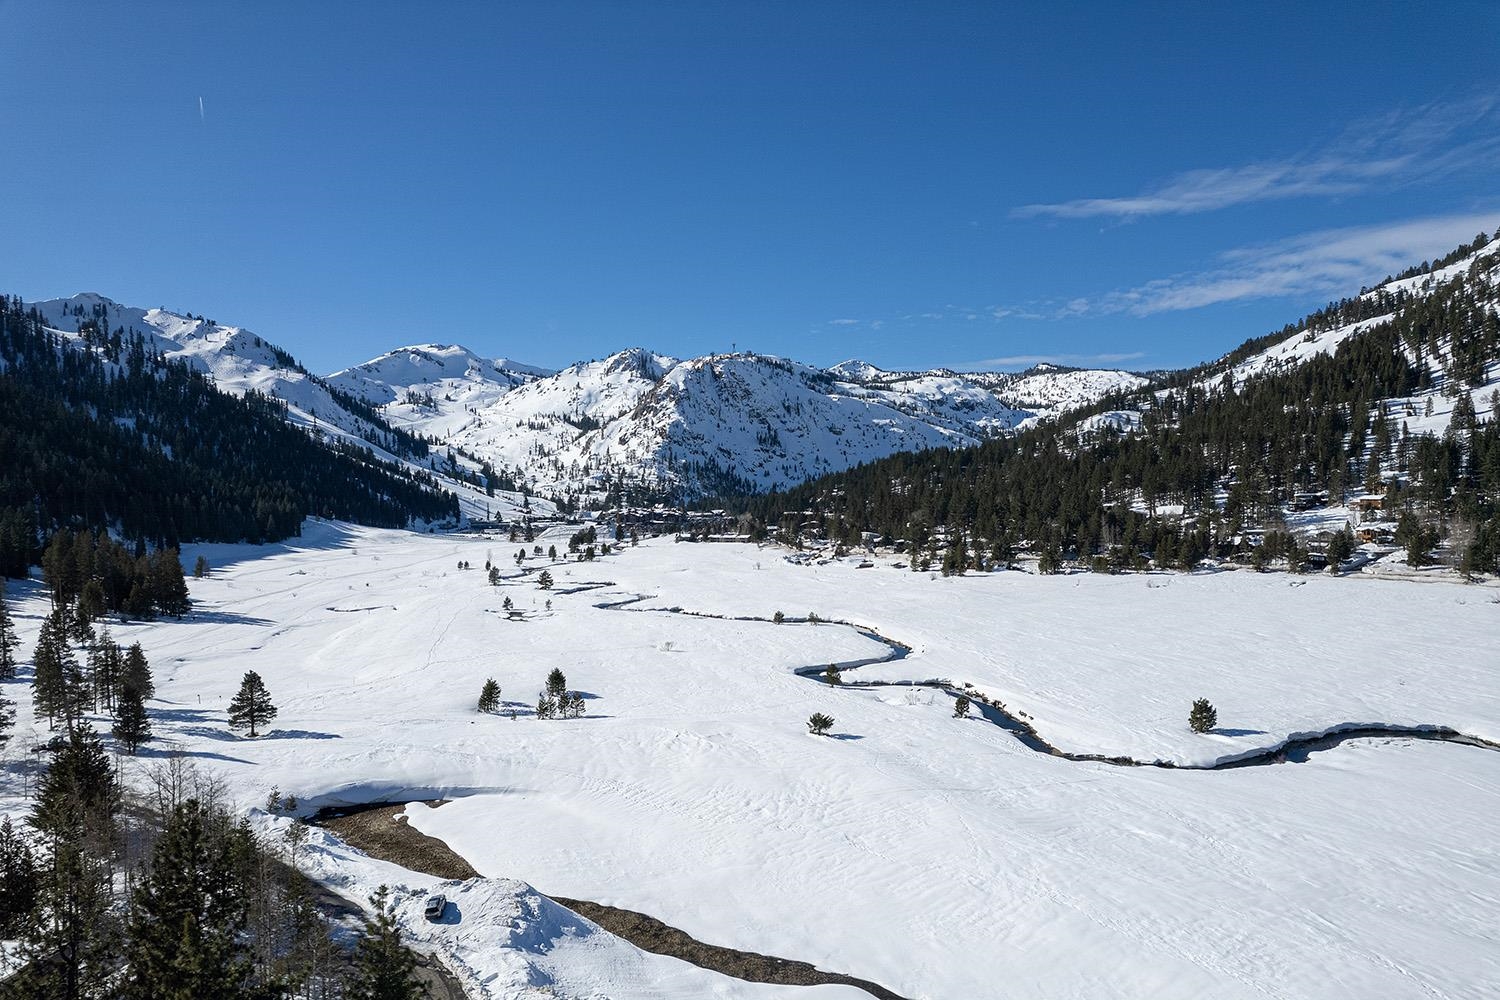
382 832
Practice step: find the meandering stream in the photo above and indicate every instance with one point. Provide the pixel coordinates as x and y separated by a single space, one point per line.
1295 749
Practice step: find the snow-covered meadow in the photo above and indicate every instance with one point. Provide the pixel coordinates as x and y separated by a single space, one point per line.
936 856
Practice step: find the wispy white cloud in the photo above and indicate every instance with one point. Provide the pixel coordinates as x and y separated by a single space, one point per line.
1401 147
1336 261
843 322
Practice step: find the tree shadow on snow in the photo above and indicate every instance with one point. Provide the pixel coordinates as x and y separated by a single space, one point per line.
844 736
179 714
298 734
165 752
223 618
1238 732
207 733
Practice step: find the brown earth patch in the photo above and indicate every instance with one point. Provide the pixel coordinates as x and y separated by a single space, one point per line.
381 832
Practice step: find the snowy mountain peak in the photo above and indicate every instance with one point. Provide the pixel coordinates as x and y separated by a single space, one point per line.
638 362
855 370
660 424
420 369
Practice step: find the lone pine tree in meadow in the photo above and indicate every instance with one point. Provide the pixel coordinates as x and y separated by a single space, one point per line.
961 707
489 696
251 707
819 724
1203 716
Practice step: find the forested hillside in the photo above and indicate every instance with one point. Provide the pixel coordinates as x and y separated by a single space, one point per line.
1384 404
101 431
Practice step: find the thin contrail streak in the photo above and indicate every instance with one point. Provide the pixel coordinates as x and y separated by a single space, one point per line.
200 109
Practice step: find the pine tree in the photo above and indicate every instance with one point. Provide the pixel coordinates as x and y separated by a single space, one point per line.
132 726
136 672
77 799
52 664
7 719
19 881
1340 548
164 581
961 707
546 707
8 639
251 707
106 663
69 943
544 580
818 724
188 916
832 674
489 696
1203 716
557 683
384 968
91 606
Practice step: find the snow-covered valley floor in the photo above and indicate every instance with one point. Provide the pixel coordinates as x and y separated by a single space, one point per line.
937 856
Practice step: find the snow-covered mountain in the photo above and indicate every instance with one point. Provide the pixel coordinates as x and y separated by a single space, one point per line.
686 427
432 387
239 361
1451 354
636 419
1042 391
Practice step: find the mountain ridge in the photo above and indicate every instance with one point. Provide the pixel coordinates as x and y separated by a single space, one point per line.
637 421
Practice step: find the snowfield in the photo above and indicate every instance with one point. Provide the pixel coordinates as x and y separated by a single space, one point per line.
939 857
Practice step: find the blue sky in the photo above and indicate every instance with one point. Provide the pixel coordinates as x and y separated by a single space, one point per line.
966 185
